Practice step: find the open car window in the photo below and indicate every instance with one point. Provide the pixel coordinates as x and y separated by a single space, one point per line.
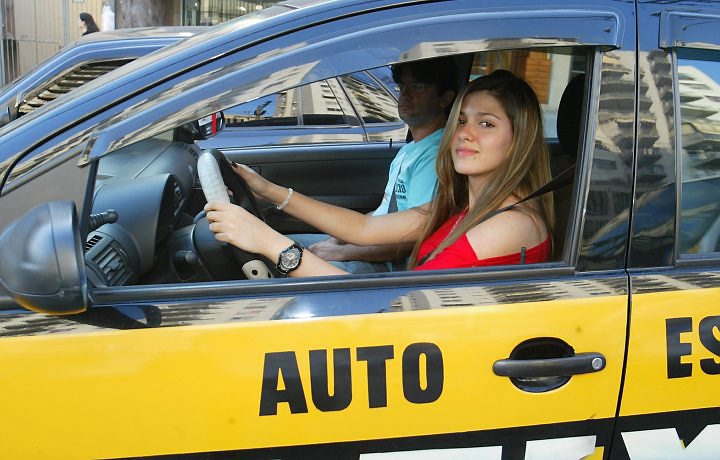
153 184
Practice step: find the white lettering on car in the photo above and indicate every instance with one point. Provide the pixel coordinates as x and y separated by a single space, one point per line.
469 453
575 448
665 443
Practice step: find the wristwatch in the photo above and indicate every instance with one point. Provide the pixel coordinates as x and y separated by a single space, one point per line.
289 259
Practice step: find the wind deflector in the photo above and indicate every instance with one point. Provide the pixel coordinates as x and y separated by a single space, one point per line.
67 82
684 29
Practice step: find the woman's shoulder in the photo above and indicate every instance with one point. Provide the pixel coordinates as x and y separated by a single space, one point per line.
506 233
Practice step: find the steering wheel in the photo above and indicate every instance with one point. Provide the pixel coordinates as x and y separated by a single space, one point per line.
221 259
240 191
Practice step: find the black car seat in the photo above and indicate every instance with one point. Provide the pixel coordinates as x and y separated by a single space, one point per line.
569 123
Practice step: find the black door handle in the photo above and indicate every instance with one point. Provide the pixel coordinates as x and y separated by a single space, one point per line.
581 363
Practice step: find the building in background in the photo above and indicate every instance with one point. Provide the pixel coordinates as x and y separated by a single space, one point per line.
211 12
34 30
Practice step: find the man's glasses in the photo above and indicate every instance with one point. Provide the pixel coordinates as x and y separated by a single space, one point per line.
413 87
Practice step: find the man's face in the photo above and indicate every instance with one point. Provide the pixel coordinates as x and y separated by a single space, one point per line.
419 103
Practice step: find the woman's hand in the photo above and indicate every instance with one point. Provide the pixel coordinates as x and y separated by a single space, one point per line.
259 186
234 225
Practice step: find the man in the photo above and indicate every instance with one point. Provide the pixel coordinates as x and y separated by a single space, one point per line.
427 91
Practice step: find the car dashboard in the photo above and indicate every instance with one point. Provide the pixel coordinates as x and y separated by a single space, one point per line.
148 185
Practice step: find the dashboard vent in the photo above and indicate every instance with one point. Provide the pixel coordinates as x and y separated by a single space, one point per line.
67 82
89 244
112 265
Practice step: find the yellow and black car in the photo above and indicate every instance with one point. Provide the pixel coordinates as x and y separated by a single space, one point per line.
127 330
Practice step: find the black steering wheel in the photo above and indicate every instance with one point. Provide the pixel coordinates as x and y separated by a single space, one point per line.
223 260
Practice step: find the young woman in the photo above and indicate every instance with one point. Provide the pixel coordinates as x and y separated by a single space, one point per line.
492 155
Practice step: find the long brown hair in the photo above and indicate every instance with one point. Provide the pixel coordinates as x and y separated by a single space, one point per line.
526 169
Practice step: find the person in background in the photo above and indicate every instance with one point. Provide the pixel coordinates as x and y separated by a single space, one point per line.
427 91
87 24
492 155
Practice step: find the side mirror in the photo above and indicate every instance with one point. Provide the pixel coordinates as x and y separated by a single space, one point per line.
209 126
201 129
41 260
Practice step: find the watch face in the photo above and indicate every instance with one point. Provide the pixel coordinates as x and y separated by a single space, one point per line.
290 259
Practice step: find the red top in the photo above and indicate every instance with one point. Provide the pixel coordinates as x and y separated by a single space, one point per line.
461 255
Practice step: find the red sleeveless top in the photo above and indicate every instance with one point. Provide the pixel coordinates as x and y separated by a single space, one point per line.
461 255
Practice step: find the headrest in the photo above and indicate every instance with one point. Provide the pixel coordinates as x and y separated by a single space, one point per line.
569 115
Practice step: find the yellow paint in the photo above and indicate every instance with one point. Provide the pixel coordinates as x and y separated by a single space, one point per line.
647 387
193 389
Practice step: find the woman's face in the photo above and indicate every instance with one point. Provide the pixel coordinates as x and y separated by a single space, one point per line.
482 137
81 24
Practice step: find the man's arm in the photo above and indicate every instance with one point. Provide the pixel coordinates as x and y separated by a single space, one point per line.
332 249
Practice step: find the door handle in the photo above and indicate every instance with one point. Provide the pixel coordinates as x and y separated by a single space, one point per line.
581 363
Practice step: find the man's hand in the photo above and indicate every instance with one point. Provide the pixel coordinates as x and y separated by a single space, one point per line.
330 249
336 250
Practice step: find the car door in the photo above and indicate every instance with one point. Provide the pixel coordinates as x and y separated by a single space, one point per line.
510 362
670 407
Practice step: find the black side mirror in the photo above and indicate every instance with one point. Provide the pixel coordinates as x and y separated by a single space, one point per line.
41 260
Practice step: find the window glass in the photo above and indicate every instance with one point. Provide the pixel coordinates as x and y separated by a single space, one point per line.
321 104
384 75
373 103
279 109
698 77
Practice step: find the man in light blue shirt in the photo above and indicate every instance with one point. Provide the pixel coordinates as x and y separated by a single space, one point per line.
427 91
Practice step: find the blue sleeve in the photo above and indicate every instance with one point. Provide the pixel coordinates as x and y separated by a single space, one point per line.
422 179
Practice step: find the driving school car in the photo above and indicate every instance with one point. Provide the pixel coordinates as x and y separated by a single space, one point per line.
127 330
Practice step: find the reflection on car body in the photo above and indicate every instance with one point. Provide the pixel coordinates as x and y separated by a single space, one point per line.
610 350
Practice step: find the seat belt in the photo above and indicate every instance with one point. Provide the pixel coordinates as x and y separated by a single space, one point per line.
561 180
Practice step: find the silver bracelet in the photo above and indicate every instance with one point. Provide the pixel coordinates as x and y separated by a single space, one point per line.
287 200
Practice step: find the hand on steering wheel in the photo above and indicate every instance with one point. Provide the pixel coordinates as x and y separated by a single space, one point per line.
240 191
219 258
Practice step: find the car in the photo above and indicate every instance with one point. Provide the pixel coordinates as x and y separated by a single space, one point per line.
82 61
127 330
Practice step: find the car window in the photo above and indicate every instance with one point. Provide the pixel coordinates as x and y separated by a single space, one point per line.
373 102
124 176
698 77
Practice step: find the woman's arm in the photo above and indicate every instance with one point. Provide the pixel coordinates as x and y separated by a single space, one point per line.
506 233
344 224
234 225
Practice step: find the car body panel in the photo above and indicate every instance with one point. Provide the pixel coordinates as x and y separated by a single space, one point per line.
190 370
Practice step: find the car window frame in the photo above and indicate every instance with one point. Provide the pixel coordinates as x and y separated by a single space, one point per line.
691 31
393 280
